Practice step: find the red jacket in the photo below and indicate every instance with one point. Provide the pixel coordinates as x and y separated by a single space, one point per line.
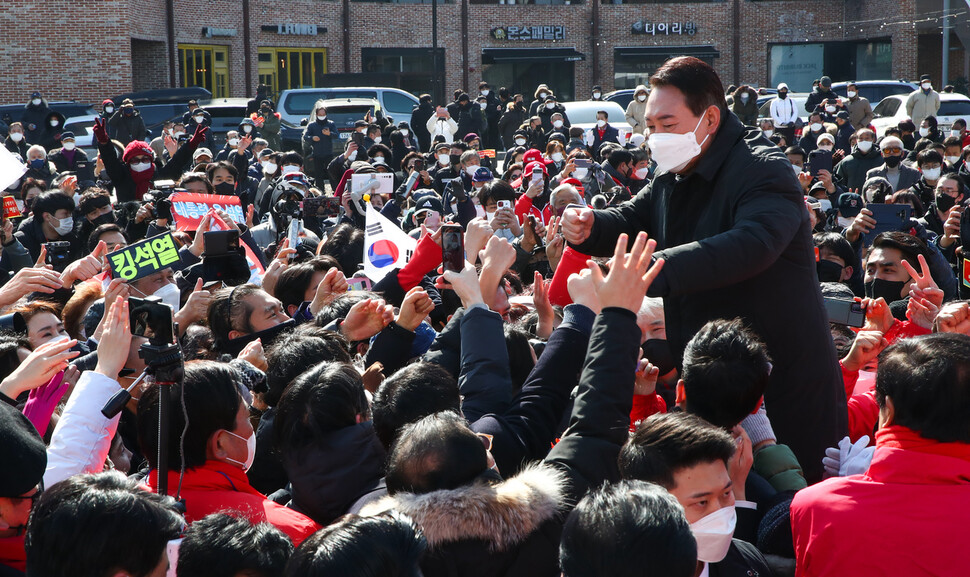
218 486
13 554
906 516
524 207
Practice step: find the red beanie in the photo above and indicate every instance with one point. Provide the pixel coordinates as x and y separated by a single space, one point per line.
137 148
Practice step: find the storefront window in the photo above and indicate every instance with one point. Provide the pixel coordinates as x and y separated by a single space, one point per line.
412 66
874 60
205 66
634 65
799 65
283 68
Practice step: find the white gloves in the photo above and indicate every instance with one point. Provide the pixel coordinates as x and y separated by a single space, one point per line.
849 458
622 138
589 137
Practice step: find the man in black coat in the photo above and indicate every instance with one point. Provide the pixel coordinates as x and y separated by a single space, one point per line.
820 94
419 122
729 217
493 111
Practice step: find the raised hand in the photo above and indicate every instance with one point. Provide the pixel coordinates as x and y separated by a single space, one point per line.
115 340
630 276
416 307
85 268
100 131
366 319
333 285
865 349
577 224
540 298
39 367
29 280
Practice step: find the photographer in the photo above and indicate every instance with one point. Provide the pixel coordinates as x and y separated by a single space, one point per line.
51 220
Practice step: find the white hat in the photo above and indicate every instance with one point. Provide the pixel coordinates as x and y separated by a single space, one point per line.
782 86
203 151
825 136
890 142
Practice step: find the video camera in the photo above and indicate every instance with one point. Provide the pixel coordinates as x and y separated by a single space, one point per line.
159 197
153 319
58 253
223 260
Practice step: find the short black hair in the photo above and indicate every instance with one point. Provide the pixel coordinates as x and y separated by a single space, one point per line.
793 150
294 281
95 235
228 309
726 370
97 525
51 202
606 115
928 156
620 156
346 245
910 246
293 354
413 392
212 167
291 158
496 189
326 398
666 443
838 244
928 380
628 529
385 545
696 80
212 400
222 545
438 452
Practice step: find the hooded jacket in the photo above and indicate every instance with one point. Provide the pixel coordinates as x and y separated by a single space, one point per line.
50 136
33 119
545 116
851 170
636 111
124 129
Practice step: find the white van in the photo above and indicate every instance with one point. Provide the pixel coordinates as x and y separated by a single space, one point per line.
295 104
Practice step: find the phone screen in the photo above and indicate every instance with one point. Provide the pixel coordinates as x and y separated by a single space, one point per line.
293 233
452 247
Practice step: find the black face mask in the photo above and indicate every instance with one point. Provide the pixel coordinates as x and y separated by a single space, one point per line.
893 161
455 158
225 188
658 352
106 218
829 271
891 291
945 202
783 95
268 336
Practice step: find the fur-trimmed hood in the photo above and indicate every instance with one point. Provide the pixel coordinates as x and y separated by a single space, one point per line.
503 514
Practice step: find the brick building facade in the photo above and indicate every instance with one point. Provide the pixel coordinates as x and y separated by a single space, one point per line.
117 46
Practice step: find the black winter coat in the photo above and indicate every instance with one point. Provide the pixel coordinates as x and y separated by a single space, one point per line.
509 123
470 120
124 129
545 115
419 120
737 243
79 165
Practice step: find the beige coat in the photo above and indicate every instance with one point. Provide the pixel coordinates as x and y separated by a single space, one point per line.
636 112
920 104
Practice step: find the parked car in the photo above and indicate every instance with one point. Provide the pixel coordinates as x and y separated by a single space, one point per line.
799 98
344 112
876 90
296 104
892 110
164 95
83 136
582 114
621 97
10 113
226 114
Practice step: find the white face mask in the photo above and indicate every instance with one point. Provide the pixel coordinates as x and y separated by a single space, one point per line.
713 534
601 123
956 133
247 129
926 85
177 135
108 110
642 97
864 146
321 117
768 133
845 222
69 145
250 450
826 147
377 140
952 160
520 142
444 159
673 151
16 136
745 97
557 157
140 166
55 123
405 132
816 126
199 118
851 93
932 174
483 105
580 173
543 95
170 296
557 123
597 94
379 160
269 167
550 105
797 169
64 226
36 102
923 131
470 170
291 168
642 173
233 142
485 92
830 109
826 204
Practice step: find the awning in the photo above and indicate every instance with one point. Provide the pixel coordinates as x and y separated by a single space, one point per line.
667 51
495 55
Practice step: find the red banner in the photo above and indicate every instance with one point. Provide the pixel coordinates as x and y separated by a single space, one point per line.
10 209
188 208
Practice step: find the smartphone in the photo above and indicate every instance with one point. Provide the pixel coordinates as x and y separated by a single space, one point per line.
220 242
418 165
452 247
540 243
504 204
358 139
358 283
293 233
536 175
845 312
151 318
819 160
888 217
582 162
321 206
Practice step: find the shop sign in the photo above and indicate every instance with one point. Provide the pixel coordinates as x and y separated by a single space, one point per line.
294 29
209 31
529 33
666 28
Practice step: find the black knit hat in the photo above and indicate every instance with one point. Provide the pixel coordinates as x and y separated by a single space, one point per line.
22 453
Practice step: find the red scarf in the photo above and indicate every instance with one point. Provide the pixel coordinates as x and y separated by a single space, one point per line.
12 553
898 437
143 181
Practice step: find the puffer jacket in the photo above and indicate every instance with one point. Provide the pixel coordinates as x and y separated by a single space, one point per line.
636 111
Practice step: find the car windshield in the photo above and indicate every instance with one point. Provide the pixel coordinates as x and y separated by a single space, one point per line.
301 103
345 116
227 117
954 108
887 107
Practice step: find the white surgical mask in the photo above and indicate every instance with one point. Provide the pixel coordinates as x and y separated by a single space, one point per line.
830 109
177 135
518 141
250 450
233 141
926 85
851 93
601 123
580 173
543 95
952 160
550 105
713 534
673 151
642 97
140 166
845 222
956 133
199 117
483 105
826 147
170 296
816 126
291 168
64 226
379 160
35 102
55 122
69 145
108 109
597 94
269 167
932 174
923 131
557 157
864 146
16 136
642 173
557 123
405 132
797 169
745 96
444 159
247 128
826 204
377 140
485 92
768 133
470 170
321 117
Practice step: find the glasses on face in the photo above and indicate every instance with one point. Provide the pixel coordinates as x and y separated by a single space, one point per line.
39 490
486 440
892 150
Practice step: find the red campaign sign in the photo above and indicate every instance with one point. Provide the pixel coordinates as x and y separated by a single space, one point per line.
966 273
188 208
10 209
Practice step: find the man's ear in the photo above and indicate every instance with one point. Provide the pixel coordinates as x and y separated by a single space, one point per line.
846 273
713 116
234 334
887 413
681 398
291 309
